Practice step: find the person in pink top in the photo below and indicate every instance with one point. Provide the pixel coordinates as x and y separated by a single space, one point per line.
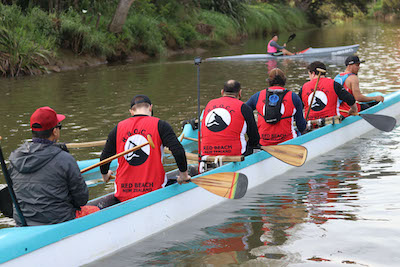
276 50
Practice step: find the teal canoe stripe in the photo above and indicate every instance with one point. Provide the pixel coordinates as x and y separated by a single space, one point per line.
15 242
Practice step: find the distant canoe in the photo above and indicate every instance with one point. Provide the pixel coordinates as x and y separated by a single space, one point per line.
307 53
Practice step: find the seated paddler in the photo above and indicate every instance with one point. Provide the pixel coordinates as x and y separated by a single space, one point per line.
273 48
327 97
277 109
226 122
349 80
46 179
141 171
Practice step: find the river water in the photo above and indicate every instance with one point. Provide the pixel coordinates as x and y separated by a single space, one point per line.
342 208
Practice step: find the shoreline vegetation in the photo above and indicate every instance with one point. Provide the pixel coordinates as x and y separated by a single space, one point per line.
54 35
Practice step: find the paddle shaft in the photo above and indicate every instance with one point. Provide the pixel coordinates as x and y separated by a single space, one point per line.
315 90
107 160
197 62
10 188
86 144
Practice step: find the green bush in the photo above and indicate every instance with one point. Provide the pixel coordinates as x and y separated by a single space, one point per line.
19 55
225 28
145 33
83 38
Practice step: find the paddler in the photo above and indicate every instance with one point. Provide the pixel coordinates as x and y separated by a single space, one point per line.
142 171
273 48
327 95
277 109
349 80
46 178
226 121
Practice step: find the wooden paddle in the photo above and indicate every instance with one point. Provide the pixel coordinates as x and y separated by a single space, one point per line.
315 90
86 144
187 138
381 122
107 160
232 185
291 154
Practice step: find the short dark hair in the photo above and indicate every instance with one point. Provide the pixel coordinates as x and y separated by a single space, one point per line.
232 86
316 64
276 77
42 134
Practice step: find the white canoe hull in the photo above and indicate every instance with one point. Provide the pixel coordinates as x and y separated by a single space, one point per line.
310 52
97 235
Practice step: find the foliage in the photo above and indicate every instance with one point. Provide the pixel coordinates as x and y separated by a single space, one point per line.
30 30
145 33
82 38
233 8
225 28
18 55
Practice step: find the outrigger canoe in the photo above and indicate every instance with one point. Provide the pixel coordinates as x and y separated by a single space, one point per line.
87 239
307 53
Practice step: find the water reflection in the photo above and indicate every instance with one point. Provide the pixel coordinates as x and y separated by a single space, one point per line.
331 210
310 213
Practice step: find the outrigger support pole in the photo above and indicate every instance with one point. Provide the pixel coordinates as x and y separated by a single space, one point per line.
197 62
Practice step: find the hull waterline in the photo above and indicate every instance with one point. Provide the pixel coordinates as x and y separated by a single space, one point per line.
87 239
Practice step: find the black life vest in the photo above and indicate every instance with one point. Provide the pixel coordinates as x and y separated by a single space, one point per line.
273 105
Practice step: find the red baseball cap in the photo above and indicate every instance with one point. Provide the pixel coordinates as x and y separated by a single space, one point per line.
45 118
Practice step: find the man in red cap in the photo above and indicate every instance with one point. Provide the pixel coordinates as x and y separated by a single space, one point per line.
46 179
349 80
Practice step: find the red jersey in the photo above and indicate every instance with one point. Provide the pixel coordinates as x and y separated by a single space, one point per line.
326 101
223 127
272 134
141 171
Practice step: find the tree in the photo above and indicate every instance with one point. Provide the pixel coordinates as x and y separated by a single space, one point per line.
120 15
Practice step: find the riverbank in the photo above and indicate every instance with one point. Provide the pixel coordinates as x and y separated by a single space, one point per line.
35 41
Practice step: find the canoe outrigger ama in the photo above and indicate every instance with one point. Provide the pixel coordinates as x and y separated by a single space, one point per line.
309 52
89 238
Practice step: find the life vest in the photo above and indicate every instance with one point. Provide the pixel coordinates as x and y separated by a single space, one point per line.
282 130
271 49
341 78
223 128
326 101
141 171
272 108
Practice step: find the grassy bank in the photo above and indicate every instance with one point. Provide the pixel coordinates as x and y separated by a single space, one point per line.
30 37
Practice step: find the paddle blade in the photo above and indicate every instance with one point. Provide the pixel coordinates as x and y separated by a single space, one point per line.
381 122
291 154
232 185
6 206
291 37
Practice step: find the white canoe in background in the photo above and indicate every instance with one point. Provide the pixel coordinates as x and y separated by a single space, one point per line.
87 239
307 53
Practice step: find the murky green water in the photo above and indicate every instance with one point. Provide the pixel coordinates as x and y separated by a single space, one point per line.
341 208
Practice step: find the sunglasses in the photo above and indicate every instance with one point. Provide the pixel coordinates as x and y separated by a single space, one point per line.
59 126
